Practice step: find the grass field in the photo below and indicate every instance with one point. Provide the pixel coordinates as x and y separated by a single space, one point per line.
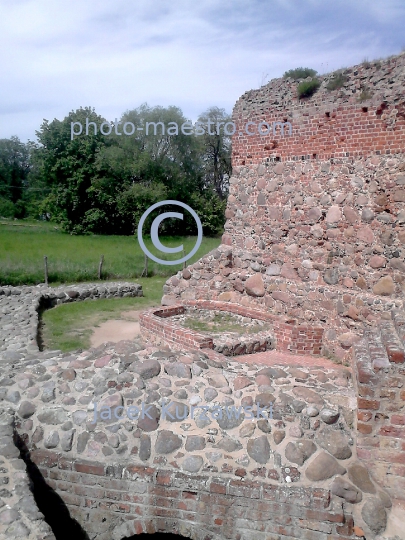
68 327
23 245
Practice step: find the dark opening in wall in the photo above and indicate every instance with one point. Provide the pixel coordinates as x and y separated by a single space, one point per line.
364 109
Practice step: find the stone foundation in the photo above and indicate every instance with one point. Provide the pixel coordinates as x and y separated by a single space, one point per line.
289 336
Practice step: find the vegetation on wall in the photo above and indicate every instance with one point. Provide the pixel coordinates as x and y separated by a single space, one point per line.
308 88
300 73
338 81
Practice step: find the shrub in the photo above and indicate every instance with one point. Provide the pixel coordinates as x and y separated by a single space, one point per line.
299 73
337 82
365 95
308 88
7 208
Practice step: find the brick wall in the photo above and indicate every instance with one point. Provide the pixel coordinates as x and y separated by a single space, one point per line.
115 501
290 336
381 415
330 124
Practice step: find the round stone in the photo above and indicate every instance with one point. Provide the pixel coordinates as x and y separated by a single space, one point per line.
167 442
26 409
192 464
329 416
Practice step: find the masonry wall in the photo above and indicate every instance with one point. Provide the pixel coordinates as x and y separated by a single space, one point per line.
381 416
155 324
137 499
315 219
366 116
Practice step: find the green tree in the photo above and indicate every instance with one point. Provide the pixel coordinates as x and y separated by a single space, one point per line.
103 183
68 166
14 172
215 151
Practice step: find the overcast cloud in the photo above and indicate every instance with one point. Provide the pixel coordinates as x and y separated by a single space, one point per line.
114 55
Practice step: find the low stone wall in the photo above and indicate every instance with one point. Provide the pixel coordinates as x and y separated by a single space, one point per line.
293 469
290 336
20 307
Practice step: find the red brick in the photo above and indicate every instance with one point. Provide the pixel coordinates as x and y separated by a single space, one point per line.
216 487
45 458
391 431
368 404
364 416
366 429
398 420
89 467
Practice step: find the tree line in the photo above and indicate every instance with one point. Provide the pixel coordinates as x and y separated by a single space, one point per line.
103 184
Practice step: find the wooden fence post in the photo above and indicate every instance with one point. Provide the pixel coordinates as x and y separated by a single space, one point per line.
145 268
46 270
100 266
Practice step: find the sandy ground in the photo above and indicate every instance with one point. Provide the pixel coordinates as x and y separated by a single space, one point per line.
116 329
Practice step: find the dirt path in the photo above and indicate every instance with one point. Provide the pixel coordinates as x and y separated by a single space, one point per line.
127 327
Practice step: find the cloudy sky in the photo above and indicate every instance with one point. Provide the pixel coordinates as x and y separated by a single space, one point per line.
114 55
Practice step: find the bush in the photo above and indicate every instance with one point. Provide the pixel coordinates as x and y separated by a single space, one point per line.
300 73
308 88
337 82
7 208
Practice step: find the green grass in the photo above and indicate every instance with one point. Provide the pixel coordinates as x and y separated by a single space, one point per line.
68 327
222 323
365 95
23 245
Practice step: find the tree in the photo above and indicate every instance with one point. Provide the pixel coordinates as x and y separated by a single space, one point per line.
216 151
14 171
68 166
104 183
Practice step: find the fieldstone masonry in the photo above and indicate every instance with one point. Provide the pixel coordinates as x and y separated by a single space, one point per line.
313 245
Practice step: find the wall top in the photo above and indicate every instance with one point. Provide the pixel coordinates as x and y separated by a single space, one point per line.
365 116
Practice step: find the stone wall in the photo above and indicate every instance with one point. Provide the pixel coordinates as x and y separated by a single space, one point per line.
315 231
381 415
20 307
289 473
19 313
315 220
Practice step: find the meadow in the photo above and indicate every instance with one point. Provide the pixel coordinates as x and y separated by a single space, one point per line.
71 259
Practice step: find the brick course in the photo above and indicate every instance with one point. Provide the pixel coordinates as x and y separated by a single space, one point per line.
137 499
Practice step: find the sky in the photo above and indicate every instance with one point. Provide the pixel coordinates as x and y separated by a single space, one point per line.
114 55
